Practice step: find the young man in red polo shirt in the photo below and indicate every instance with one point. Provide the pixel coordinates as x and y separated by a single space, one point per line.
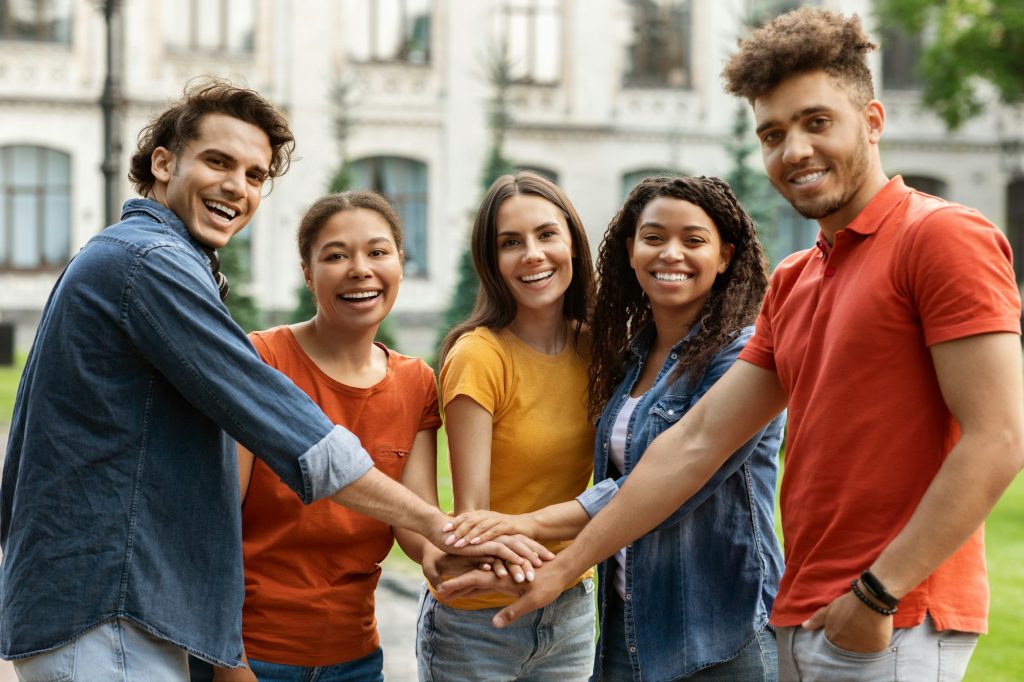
894 342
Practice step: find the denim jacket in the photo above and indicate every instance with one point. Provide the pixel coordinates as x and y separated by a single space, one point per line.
120 488
700 585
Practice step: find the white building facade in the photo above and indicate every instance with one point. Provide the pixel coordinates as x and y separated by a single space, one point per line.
605 92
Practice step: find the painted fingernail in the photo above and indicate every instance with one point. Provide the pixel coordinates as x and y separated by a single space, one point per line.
519 577
501 572
460 543
529 576
474 541
485 567
449 540
447 527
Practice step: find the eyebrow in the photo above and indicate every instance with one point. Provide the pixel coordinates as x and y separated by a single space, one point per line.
341 245
514 233
690 228
807 111
220 152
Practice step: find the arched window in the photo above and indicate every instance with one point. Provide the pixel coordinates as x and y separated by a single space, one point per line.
633 178
35 207
403 182
926 184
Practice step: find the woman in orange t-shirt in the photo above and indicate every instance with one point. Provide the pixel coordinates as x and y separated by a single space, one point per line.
310 571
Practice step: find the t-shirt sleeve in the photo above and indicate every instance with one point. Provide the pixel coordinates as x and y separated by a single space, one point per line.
431 417
760 349
474 368
960 276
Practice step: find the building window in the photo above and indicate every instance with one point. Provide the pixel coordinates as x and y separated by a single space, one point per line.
658 55
633 178
388 30
901 59
786 231
1015 224
532 32
46 21
926 184
763 11
35 207
209 25
403 182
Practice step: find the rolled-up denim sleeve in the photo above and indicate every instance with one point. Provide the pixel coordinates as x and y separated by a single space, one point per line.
597 498
172 312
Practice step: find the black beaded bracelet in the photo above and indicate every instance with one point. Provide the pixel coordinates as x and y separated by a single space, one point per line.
864 598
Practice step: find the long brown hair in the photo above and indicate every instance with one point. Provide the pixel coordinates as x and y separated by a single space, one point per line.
495 306
621 310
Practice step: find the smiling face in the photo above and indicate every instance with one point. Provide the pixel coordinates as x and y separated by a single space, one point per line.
819 148
215 183
534 252
354 269
676 253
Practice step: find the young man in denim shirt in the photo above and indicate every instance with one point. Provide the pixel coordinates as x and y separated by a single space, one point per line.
119 512
895 344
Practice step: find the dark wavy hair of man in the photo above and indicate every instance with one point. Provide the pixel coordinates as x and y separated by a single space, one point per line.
177 125
621 309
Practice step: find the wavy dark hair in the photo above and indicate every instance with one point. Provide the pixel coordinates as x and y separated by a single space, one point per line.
798 42
621 310
495 306
174 127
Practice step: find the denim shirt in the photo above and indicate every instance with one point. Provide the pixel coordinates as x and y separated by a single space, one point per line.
700 585
120 488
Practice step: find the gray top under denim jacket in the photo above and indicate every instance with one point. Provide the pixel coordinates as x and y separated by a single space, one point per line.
120 487
700 585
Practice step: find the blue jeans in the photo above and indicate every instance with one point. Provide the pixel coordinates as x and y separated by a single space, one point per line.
116 651
369 668
553 643
917 654
756 662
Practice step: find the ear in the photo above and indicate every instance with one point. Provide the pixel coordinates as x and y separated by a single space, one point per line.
307 276
874 116
401 259
161 164
726 257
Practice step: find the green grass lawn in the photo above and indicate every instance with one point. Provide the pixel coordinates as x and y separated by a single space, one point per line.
1000 654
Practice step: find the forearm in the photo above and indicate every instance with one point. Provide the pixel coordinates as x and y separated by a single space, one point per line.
413 544
379 497
558 522
975 474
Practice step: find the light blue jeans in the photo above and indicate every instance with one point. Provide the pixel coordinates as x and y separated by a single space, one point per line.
756 662
553 643
369 668
116 651
918 654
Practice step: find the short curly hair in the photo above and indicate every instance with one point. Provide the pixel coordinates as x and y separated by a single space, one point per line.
804 40
179 124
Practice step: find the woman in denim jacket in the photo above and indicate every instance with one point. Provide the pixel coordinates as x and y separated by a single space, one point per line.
680 264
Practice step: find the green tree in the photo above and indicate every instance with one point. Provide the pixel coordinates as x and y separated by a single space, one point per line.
751 187
235 263
974 41
498 72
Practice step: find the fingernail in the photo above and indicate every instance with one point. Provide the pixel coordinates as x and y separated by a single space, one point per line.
486 567
518 577
501 571
474 541
447 527
449 540
460 543
529 576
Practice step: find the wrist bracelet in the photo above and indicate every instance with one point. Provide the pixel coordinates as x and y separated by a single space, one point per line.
877 590
864 598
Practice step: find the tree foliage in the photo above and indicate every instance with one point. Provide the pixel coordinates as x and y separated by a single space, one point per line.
235 264
972 41
750 186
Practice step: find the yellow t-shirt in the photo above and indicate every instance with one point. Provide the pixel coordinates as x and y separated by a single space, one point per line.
542 447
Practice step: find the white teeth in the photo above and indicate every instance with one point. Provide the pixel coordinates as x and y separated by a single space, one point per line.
538 276
810 177
671 276
217 206
360 295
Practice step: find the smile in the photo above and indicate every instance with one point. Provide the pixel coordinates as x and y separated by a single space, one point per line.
537 277
808 178
671 276
220 210
361 295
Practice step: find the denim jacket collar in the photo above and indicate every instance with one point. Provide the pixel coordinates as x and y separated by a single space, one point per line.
164 216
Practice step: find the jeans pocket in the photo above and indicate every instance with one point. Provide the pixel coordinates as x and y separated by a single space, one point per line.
857 655
955 651
57 665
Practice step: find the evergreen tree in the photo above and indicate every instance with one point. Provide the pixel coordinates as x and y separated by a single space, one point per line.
751 187
235 263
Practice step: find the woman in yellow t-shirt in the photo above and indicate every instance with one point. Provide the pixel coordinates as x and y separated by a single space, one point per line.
514 393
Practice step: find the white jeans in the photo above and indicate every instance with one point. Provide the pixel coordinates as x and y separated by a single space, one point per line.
919 654
116 651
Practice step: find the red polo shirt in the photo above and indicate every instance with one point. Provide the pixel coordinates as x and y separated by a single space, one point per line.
848 329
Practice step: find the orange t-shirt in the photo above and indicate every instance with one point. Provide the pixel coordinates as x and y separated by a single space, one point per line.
310 571
848 330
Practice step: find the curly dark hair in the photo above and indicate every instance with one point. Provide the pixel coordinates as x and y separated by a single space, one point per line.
321 210
179 124
621 310
804 40
495 306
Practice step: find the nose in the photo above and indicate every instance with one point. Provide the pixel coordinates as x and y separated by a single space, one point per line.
673 251
797 148
533 252
359 267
